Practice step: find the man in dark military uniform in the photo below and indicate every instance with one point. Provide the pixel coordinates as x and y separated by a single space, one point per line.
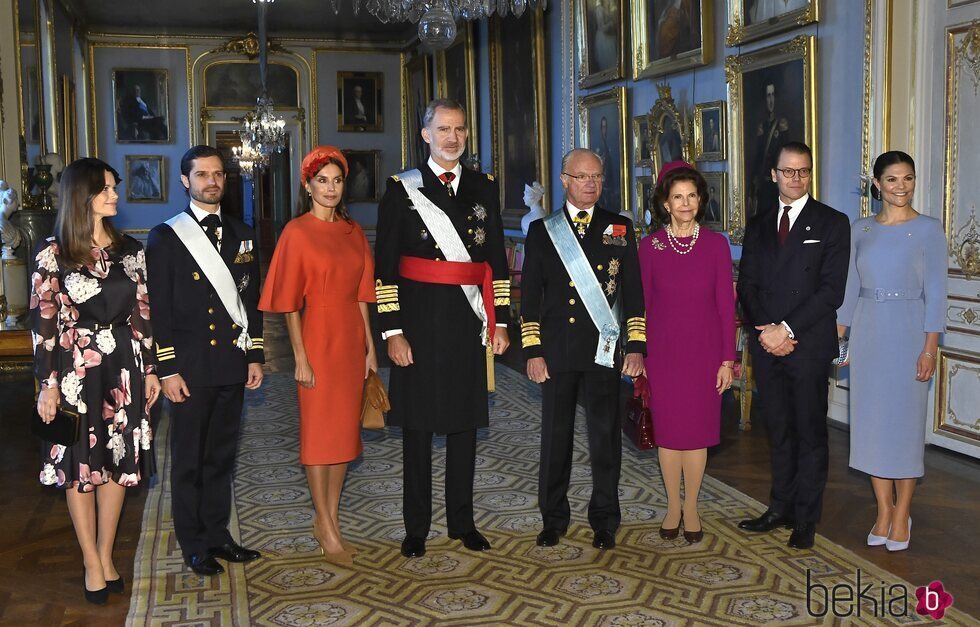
443 294
208 331
565 350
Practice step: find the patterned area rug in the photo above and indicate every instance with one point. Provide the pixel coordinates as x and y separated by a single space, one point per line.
728 579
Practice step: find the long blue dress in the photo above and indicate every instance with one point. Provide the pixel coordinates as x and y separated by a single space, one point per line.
896 293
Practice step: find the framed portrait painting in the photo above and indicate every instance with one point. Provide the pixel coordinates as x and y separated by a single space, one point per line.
142 105
456 80
642 148
671 35
749 20
362 178
145 178
644 216
599 32
236 85
602 125
771 100
518 110
669 138
417 86
715 211
709 131
359 101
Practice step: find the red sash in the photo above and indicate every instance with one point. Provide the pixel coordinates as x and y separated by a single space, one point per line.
454 273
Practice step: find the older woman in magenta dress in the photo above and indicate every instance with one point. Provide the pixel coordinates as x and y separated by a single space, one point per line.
895 306
690 304
323 266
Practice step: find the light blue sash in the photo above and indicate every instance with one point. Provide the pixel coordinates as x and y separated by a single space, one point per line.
586 284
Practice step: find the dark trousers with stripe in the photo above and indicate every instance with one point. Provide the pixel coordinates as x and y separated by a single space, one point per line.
203 442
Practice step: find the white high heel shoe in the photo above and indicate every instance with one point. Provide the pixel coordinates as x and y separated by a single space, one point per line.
874 540
895 545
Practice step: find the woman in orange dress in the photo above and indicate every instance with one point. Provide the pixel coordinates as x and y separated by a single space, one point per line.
323 266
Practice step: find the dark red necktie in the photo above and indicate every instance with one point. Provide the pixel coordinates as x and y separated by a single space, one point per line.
447 179
784 225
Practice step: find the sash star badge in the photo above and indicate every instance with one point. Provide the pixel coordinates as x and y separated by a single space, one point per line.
610 287
479 236
480 212
613 267
243 283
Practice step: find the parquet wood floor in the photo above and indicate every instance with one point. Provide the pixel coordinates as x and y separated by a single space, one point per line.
41 580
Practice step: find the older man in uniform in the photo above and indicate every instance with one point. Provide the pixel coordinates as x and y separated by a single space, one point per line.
443 301
203 271
578 263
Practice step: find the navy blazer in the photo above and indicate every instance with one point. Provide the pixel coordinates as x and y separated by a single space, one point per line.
801 282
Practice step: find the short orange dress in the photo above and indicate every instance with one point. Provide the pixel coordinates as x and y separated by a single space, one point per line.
325 269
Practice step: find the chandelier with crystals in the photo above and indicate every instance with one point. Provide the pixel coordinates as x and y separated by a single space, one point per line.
263 132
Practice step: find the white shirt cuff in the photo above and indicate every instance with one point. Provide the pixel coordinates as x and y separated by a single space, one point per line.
792 335
501 325
169 375
386 334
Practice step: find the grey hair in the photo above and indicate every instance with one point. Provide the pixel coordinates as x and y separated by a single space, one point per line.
574 152
440 103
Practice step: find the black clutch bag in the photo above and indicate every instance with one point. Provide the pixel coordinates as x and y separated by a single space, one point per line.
62 430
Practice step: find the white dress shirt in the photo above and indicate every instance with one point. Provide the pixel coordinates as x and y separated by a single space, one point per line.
795 209
573 210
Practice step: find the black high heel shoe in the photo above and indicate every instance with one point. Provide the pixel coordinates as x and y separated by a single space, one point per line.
96 597
670 534
693 537
116 586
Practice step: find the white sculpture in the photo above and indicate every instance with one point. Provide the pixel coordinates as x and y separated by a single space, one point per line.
10 235
533 198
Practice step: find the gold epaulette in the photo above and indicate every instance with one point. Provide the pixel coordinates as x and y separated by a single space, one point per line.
530 334
501 293
395 178
165 354
636 330
387 297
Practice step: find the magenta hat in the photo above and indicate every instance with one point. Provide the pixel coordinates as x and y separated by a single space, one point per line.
673 165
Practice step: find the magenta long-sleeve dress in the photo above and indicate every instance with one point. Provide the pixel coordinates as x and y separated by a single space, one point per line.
690 304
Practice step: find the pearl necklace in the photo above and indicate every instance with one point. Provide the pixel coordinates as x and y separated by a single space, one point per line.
679 248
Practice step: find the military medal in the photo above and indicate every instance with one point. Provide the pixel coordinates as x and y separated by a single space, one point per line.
480 212
479 236
243 283
610 287
613 267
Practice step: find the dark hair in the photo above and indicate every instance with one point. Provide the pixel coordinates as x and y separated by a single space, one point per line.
200 151
883 162
662 192
81 182
795 147
440 103
305 203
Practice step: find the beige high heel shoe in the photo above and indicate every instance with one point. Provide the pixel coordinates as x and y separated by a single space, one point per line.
343 557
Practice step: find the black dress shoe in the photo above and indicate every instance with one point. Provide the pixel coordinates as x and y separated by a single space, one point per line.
767 522
231 552
472 540
97 597
604 539
204 564
802 536
413 547
116 586
549 537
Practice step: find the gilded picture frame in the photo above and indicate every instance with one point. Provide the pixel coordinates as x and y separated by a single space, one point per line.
669 133
141 102
360 101
750 20
716 211
602 129
416 94
146 179
363 176
671 36
642 148
772 99
456 78
599 29
643 215
234 84
955 414
518 111
709 131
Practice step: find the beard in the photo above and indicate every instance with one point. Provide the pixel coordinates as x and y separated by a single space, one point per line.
446 155
211 197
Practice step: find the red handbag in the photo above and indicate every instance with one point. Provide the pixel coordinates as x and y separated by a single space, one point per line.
638 425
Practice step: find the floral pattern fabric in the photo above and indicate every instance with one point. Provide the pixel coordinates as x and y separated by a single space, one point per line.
92 337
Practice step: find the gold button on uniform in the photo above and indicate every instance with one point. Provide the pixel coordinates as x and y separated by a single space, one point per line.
234 326
571 284
211 310
214 342
469 231
571 320
571 301
211 326
197 277
599 267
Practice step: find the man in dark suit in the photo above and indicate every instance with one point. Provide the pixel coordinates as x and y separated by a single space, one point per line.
440 239
791 282
208 331
561 342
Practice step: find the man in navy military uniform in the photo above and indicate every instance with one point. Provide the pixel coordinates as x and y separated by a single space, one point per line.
440 240
208 331
564 347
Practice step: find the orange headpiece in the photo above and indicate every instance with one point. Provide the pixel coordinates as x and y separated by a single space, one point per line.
317 158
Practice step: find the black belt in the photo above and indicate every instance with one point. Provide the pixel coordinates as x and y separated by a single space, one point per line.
92 325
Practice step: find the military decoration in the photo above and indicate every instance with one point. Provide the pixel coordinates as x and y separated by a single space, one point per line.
614 235
480 212
610 287
613 267
479 236
243 283
244 254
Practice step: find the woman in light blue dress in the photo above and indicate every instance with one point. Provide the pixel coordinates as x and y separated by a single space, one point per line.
895 307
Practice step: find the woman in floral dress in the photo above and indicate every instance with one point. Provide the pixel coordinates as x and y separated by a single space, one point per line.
93 354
